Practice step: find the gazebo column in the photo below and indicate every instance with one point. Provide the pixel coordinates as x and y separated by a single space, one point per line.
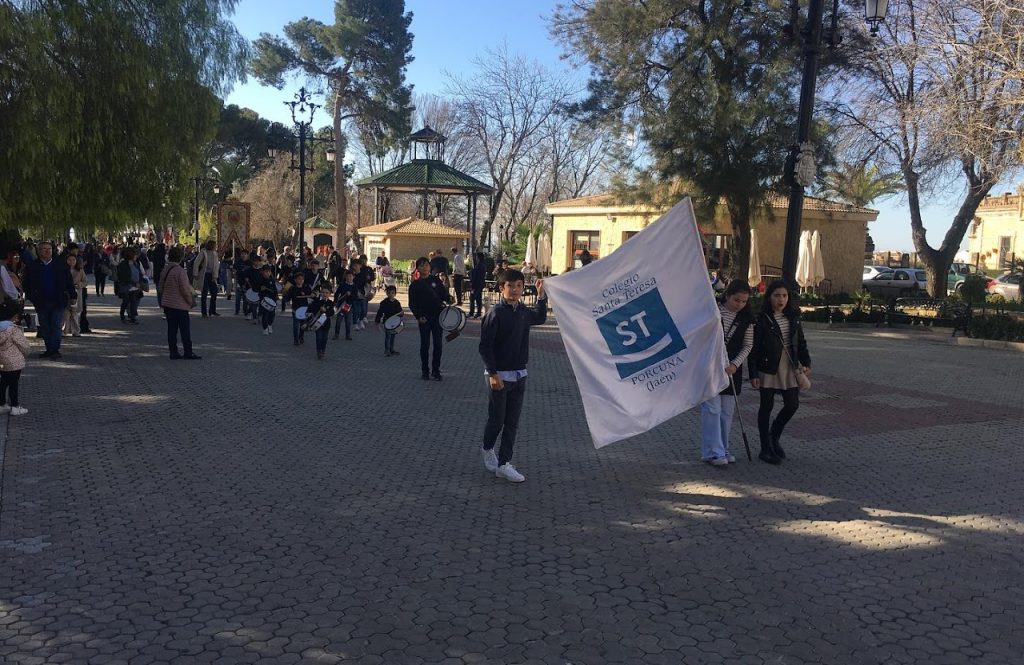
376 205
359 214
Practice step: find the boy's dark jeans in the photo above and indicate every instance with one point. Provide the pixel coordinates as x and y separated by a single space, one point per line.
503 409
348 324
298 334
267 316
389 341
321 338
428 330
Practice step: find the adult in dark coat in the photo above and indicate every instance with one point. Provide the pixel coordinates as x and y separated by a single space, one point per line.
477 280
49 286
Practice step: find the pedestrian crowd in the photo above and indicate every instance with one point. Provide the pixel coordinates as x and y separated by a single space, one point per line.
322 290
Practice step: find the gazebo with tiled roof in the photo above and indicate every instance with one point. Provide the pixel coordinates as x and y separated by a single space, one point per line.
425 175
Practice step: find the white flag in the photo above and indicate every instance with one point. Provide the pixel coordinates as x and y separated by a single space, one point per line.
642 329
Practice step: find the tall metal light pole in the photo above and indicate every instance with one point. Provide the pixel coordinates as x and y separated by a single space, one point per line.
800 167
302 110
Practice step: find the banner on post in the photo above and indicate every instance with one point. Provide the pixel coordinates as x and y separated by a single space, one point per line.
642 329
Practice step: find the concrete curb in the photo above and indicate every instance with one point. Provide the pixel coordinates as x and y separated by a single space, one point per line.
990 344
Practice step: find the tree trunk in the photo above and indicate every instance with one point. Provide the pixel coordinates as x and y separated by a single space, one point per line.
739 214
340 201
938 261
485 229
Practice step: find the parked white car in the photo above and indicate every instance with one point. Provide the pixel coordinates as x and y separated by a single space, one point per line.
898 283
871 271
1007 286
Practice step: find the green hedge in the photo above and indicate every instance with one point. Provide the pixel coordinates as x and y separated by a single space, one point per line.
998 326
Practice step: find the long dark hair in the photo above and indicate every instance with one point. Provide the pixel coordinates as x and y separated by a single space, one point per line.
739 286
792 310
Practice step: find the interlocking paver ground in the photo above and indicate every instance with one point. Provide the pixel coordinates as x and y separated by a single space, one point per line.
261 506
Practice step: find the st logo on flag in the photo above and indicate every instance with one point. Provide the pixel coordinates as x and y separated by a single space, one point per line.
640 333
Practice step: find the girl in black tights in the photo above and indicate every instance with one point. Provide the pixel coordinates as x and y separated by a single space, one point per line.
780 353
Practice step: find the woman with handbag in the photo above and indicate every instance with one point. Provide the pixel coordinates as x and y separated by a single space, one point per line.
779 364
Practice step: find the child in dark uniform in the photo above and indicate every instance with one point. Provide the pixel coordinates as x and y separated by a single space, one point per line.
299 295
388 308
268 289
322 305
345 295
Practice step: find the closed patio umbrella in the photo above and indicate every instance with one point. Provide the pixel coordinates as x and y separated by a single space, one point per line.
817 263
754 271
803 261
544 254
531 250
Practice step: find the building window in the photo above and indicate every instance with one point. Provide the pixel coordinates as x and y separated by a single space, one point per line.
626 235
586 240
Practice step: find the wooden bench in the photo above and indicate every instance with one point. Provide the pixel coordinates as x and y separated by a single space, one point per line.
930 311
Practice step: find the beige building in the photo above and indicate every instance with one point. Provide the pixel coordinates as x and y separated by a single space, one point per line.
600 225
410 238
320 233
996 236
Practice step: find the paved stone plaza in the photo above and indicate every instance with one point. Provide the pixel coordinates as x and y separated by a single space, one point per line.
261 506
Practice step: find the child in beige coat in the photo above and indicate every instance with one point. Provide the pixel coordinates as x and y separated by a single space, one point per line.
13 347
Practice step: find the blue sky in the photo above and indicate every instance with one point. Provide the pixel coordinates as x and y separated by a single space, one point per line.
449 34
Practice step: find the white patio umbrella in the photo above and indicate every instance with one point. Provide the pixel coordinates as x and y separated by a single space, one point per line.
544 254
803 261
754 271
531 250
817 263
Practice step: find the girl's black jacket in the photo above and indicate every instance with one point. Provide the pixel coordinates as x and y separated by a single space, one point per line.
764 359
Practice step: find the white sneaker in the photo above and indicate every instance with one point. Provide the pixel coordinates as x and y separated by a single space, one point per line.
6 408
716 461
270 329
490 460
729 458
509 473
266 331
18 410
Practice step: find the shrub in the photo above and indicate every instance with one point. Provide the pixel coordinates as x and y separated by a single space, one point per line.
997 326
973 289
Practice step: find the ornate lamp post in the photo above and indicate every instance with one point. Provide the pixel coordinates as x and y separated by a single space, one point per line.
302 110
200 181
800 169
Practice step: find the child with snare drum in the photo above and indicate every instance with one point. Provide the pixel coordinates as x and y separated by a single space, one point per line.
388 308
322 306
299 295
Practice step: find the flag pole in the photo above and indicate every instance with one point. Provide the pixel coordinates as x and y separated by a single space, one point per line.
739 417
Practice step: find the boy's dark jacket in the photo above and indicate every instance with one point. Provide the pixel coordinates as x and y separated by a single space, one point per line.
320 306
387 309
505 335
299 296
427 297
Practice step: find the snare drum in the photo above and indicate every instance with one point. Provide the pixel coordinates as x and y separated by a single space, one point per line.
268 304
301 313
452 319
251 297
393 324
319 322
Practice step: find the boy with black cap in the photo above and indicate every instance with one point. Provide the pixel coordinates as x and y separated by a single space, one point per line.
322 305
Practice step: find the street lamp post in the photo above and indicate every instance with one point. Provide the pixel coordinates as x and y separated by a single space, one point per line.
800 166
301 109
199 181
